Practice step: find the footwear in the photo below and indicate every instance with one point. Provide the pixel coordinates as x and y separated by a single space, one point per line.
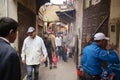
50 67
46 65
55 66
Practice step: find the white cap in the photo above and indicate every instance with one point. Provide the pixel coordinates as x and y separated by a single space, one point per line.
30 29
100 36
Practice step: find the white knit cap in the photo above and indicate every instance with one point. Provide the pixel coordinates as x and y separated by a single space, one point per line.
30 29
100 36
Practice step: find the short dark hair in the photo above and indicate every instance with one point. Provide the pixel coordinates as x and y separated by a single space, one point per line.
6 24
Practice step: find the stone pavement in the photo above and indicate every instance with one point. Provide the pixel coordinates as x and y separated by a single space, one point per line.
64 71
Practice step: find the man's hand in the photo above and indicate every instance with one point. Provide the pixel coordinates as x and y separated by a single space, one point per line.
108 47
43 59
23 61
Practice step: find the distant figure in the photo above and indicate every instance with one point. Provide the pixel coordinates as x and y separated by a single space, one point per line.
50 49
33 48
9 60
94 55
58 43
52 37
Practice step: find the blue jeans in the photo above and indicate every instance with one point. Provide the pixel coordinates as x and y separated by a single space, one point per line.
29 71
59 51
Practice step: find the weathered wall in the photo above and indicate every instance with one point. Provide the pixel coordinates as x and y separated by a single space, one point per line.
30 4
114 24
26 18
3 7
114 11
79 18
9 8
50 13
92 18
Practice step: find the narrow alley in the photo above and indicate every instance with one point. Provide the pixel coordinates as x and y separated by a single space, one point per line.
64 71
63 27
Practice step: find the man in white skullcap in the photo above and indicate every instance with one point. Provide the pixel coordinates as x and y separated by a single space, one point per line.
33 47
94 55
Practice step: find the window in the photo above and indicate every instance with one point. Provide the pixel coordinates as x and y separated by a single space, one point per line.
112 28
94 2
89 3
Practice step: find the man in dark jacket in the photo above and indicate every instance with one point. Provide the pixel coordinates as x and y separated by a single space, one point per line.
9 60
50 49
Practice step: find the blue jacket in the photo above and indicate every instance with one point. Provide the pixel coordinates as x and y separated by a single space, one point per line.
93 56
9 62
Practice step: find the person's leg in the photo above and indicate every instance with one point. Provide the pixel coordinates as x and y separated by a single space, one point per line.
46 63
50 61
36 72
60 52
29 72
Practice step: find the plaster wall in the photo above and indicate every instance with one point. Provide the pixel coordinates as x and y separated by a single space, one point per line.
3 6
79 18
30 4
115 21
49 13
114 11
9 8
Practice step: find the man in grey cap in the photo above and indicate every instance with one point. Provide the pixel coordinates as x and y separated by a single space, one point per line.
33 47
94 55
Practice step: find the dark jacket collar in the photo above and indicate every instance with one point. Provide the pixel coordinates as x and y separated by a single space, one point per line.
2 40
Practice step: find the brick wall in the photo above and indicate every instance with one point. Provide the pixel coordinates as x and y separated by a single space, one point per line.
92 18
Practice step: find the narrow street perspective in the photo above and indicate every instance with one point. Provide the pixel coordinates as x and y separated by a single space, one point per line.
64 71
59 39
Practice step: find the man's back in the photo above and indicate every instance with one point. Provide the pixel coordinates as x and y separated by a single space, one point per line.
90 59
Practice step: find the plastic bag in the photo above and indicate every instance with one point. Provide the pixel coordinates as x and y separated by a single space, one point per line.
79 71
54 59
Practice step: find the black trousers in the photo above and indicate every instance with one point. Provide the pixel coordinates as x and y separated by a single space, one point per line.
87 76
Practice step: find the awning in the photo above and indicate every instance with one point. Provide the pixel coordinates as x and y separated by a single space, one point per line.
67 16
40 3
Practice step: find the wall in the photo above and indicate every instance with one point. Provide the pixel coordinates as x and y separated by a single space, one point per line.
9 8
115 20
114 11
50 13
93 16
3 6
79 18
30 4
26 18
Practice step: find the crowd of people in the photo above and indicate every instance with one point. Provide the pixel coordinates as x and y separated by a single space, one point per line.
35 50
47 46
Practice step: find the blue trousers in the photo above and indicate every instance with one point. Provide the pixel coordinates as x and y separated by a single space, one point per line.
30 69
